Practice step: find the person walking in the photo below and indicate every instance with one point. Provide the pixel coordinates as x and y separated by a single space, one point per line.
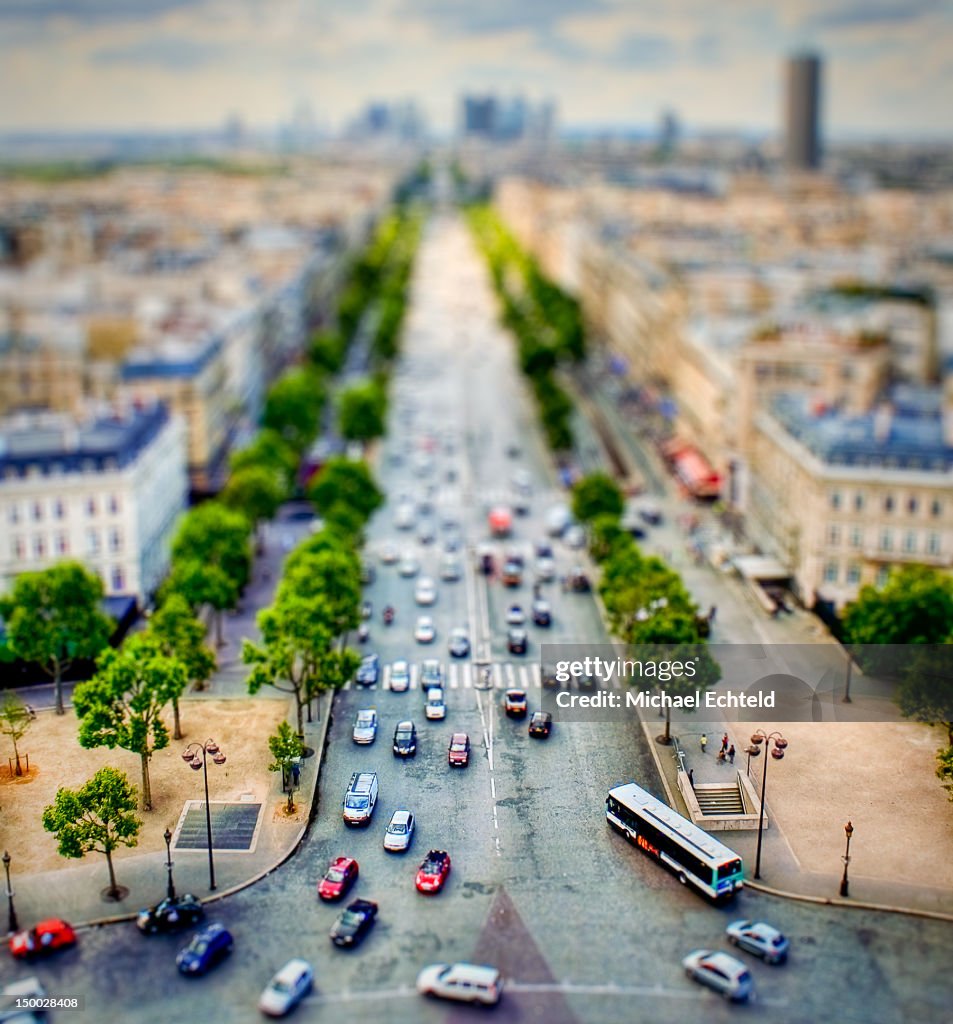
691 777
731 753
703 742
724 743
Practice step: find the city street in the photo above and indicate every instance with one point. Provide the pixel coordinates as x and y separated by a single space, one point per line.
584 927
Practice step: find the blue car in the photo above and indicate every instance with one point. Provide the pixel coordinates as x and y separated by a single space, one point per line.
368 671
208 947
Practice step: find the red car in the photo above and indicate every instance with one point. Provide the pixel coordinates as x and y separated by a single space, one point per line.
46 937
433 872
458 753
340 876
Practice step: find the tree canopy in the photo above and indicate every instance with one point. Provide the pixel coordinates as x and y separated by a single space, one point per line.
293 407
915 606
286 748
269 450
53 618
362 411
255 491
596 494
346 482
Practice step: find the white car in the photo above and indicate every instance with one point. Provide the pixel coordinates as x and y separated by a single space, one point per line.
425 631
400 831
515 616
425 592
465 983
450 568
759 938
389 553
400 676
287 988
545 569
365 726
409 566
436 707
405 516
724 973
575 537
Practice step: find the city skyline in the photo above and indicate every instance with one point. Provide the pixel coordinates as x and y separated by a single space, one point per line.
75 65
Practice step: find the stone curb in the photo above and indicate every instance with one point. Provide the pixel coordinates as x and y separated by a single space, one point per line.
830 901
258 876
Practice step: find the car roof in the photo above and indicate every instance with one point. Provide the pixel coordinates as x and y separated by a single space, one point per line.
543 716
727 963
407 724
475 972
401 817
459 737
292 970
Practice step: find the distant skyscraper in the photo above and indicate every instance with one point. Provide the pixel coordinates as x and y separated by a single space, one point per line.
802 142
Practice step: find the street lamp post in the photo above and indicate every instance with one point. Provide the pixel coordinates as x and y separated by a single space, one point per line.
12 924
777 752
850 667
197 758
848 831
170 885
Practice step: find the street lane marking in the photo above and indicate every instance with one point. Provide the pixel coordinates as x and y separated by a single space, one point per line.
510 675
452 676
498 676
493 787
414 672
537 674
467 672
385 684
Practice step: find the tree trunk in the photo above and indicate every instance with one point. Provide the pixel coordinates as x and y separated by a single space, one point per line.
298 708
219 616
291 798
668 724
176 723
16 754
146 788
58 687
113 887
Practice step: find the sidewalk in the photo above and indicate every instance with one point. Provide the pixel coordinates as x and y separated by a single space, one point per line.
869 767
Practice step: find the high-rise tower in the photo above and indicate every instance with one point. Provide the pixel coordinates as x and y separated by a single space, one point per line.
802 140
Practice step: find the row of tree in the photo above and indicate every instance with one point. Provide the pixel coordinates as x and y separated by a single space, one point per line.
546 322
646 601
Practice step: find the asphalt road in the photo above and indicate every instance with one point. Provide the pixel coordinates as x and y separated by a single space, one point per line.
583 926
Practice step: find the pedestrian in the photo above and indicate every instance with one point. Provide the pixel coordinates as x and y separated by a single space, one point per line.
703 742
691 777
721 756
731 753
295 774
724 743
711 613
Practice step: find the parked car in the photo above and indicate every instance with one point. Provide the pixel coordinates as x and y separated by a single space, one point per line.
287 988
339 878
458 646
400 676
207 948
400 832
405 739
759 938
425 632
541 724
354 923
369 670
458 753
517 640
725 974
542 613
436 706
365 726
433 873
43 939
170 915
514 703
515 616
468 983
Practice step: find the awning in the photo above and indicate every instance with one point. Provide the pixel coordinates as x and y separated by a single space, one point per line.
761 568
696 474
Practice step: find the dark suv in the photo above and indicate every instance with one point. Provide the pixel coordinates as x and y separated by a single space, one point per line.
405 739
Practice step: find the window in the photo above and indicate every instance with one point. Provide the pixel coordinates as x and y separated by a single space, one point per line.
912 506
19 548
833 535
13 513
92 542
856 536
113 505
883 574
853 572
90 506
859 501
37 511
62 544
39 546
910 541
936 508
933 544
886 540
831 572
59 509
118 582
115 541
835 500
888 503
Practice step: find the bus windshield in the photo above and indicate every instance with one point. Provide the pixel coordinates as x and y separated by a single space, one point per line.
729 870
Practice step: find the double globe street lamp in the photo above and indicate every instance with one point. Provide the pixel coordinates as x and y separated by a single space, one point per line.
777 752
196 756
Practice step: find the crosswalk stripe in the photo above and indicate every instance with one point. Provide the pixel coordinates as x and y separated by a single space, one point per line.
467 672
498 676
414 673
385 678
510 675
452 673
537 675
524 677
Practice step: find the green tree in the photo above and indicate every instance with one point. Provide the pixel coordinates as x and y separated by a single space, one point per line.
596 494
53 618
915 606
664 652
202 587
286 749
270 450
293 407
925 691
327 351
293 642
15 719
99 817
346 482
180 635
362 409
605 533
255 491
944 769
331 578
121 706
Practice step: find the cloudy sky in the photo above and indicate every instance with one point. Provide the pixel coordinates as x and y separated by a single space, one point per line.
78 64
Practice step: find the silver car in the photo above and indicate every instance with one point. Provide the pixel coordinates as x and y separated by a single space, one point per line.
467 983
724 973
287 988
399 832
400 676
759 938
365 726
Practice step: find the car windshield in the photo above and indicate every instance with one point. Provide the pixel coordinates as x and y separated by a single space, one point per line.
356 803
458 745
199 946
365 718
335 875
351 917
281 986
397 828
404 734
517 695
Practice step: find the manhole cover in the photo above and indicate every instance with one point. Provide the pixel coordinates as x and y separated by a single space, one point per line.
233 826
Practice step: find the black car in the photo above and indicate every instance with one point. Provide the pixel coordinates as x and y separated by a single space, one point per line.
354 923
542 613
549 677
541 724
405 739
171 915
369 670
516 640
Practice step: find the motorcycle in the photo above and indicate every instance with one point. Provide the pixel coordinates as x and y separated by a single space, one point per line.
388 615
363 633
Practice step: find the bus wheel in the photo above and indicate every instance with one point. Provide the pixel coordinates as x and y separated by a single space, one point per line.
682 878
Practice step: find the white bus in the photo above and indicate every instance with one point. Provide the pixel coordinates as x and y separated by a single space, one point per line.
684 848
